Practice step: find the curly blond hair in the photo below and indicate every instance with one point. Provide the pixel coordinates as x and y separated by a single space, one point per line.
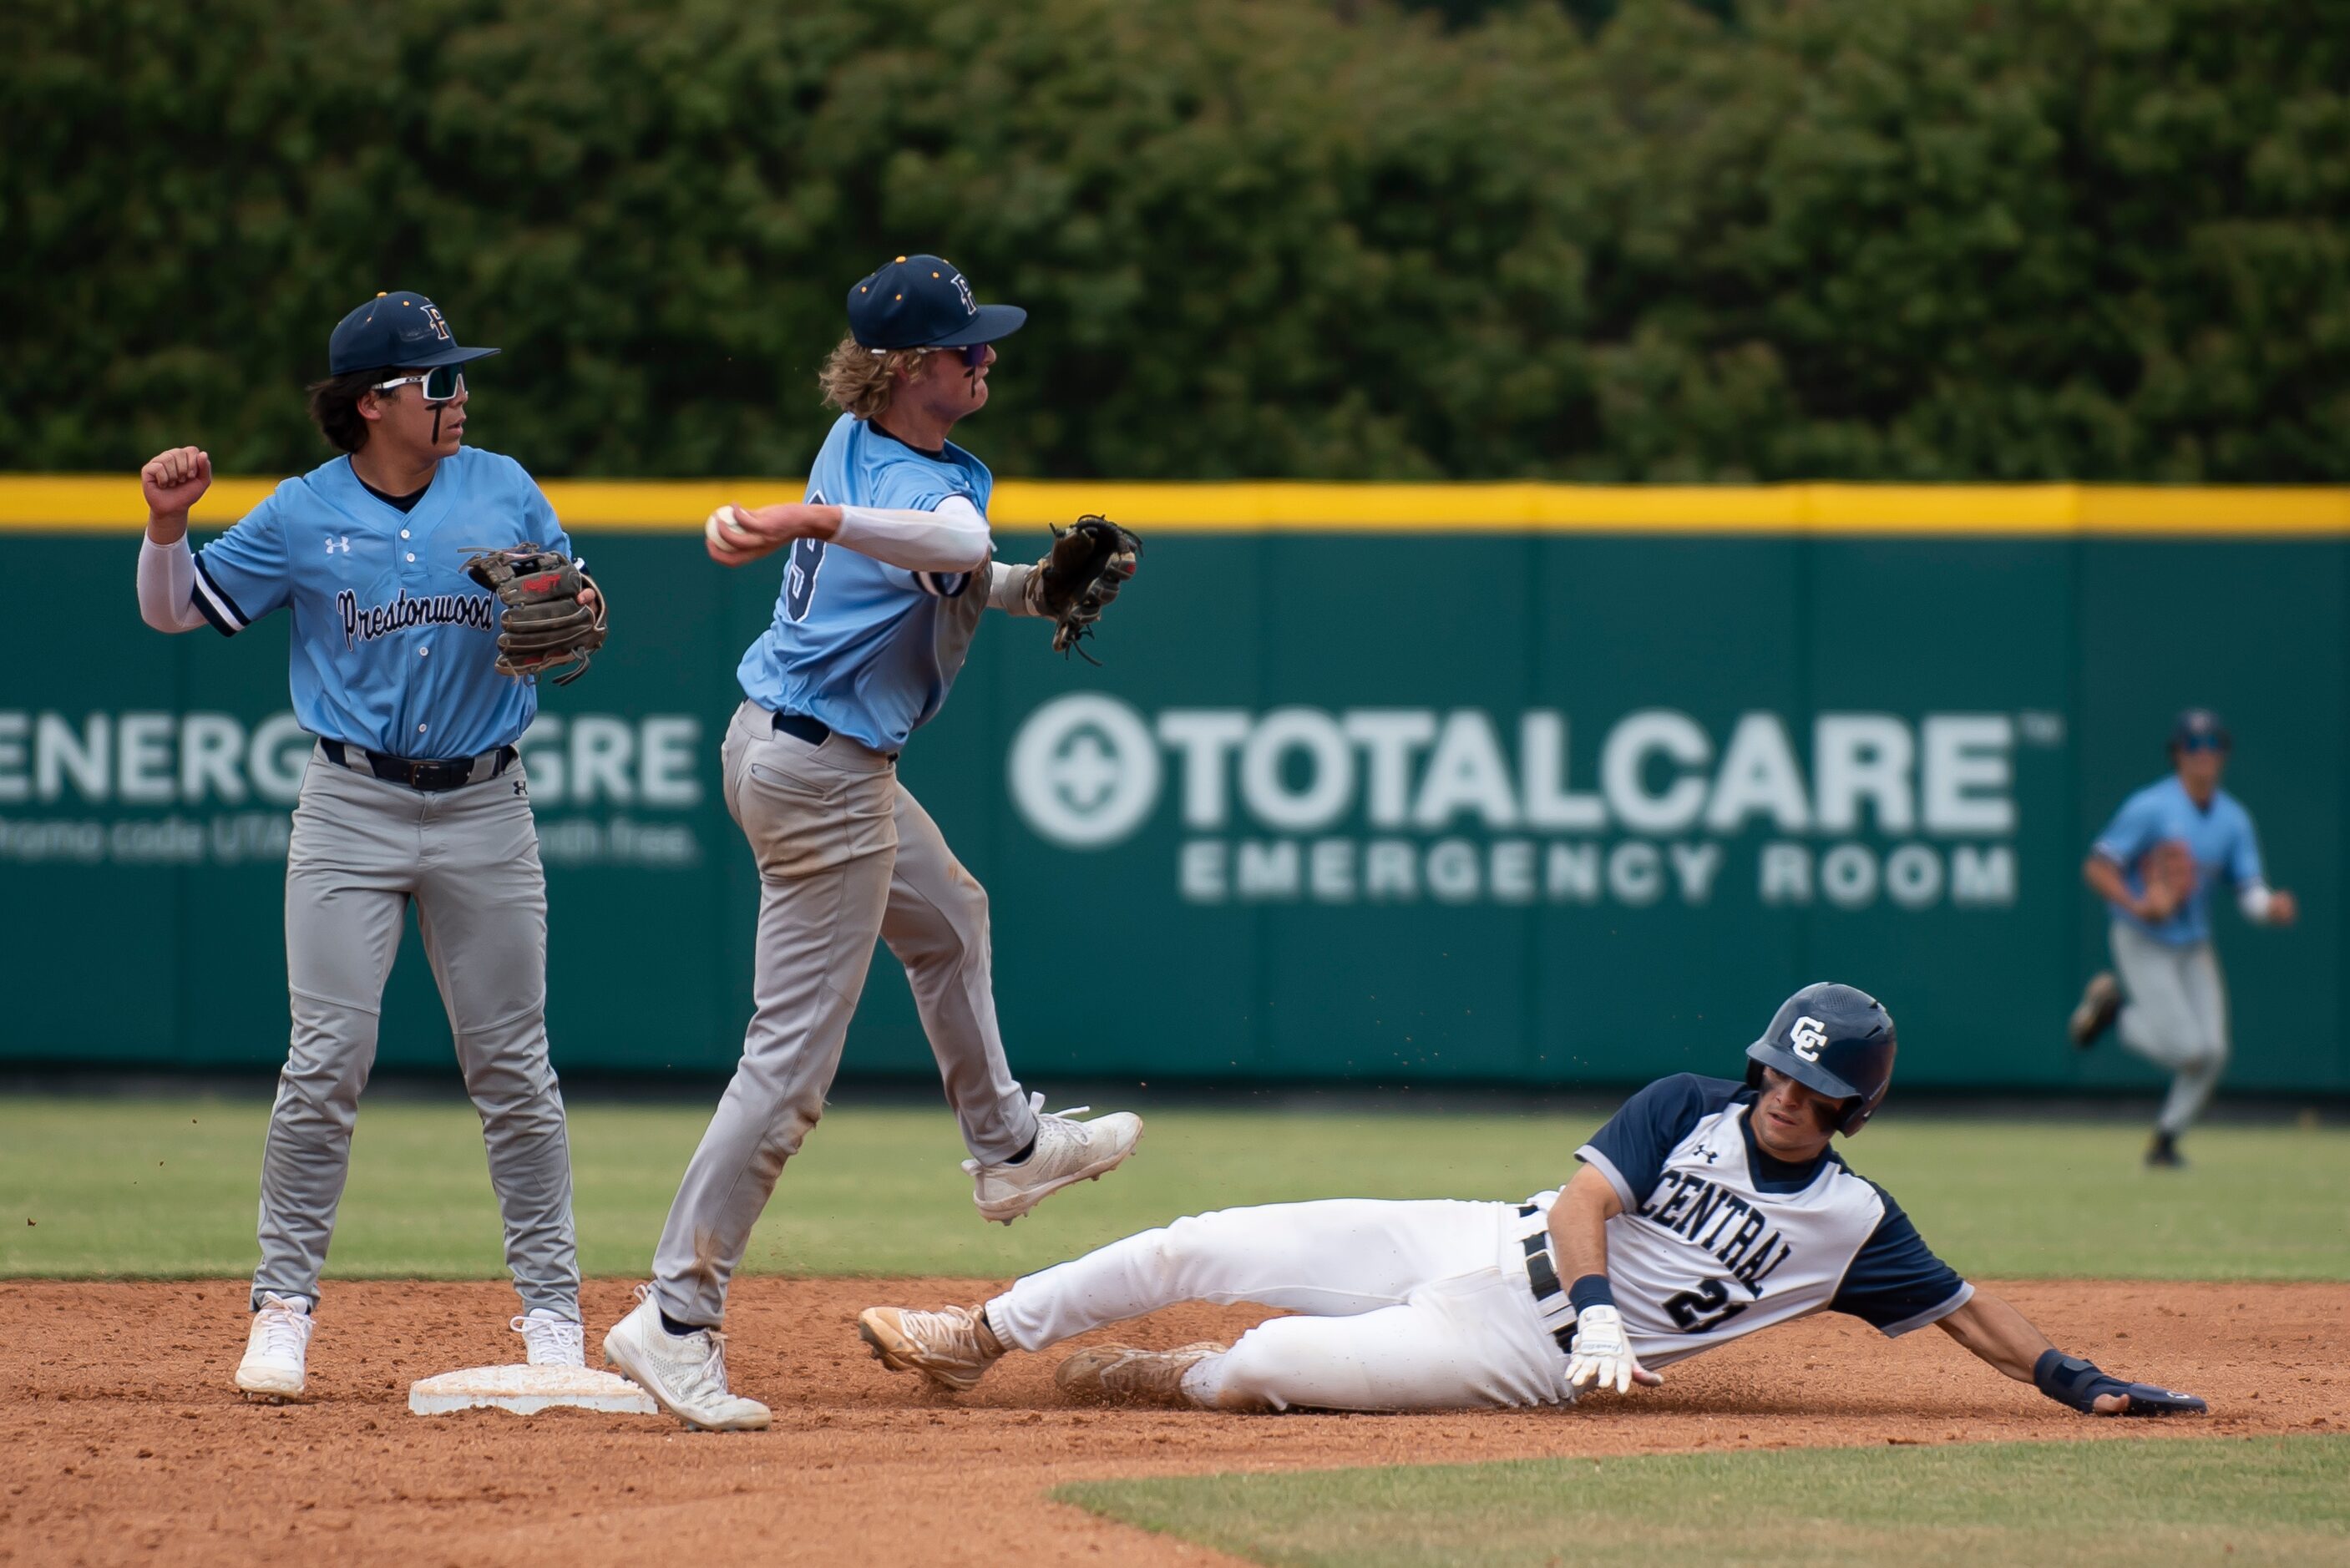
860 382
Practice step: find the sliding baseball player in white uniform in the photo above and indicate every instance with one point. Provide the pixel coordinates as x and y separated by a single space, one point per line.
888 573
1705 1209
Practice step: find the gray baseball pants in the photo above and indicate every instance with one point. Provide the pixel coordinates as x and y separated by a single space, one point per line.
363 850
846 854
2175 1017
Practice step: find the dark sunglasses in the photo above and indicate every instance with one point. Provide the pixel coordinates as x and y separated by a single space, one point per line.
973 357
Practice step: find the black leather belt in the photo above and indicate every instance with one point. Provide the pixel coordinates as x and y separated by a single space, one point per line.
1541 1278
815 731
800 727
432 776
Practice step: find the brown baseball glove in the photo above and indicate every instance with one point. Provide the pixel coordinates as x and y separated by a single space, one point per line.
1090 562
542 627
2169 870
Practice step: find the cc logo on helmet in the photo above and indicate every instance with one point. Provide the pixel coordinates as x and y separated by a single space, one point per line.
1808 1036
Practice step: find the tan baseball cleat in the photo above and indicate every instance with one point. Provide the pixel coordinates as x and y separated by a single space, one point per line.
953 1347
1128 1375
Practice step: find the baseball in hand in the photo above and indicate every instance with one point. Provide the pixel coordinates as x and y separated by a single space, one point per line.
725 529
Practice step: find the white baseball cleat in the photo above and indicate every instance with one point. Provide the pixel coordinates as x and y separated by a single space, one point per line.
1128 1375
277 1349
551 1341
1067 1152
686 1375
952 1346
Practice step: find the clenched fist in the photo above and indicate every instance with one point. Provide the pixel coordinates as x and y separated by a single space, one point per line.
174 480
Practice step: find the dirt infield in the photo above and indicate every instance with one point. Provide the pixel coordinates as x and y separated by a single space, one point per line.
121 1439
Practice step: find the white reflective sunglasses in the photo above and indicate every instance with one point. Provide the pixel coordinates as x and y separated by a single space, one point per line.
442 383
973 357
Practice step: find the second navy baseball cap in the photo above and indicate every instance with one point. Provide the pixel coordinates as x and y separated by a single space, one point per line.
923 302
398 329
2198 728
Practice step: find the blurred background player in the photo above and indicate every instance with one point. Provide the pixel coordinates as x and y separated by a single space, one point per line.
414 793
2155 866
889 574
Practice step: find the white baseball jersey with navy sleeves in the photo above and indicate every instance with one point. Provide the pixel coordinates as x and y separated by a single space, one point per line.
392 644
868 648
2220 837
1718 1239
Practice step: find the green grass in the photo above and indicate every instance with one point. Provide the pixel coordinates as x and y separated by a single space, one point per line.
2123 1504
123 1187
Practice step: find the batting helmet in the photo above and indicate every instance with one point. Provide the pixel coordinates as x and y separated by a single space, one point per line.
1834 1039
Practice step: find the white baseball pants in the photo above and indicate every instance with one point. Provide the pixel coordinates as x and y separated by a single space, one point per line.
2175 1017
1411 1306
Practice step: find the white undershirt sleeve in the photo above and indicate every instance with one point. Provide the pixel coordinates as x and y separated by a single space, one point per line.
953 538
1007 589
167 586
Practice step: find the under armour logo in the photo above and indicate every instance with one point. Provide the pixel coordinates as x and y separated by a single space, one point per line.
518 789
343 543
1708 1155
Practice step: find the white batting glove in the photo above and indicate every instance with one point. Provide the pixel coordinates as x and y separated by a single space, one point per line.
1602 1355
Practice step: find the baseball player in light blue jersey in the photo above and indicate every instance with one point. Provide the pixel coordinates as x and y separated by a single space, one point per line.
889 572
414 793
1705 1209
2155 866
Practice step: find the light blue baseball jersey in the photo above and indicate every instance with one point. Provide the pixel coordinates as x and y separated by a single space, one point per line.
2221 839
392 643
868 648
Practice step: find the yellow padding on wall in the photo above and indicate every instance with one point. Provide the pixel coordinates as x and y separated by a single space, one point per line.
73 504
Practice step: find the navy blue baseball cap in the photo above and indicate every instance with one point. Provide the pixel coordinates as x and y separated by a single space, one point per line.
401 329
923 302
2198 728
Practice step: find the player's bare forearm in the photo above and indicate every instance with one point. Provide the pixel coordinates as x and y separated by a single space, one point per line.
2003 1337
1578 1224
1997 1334
2105 879
788 520
735 536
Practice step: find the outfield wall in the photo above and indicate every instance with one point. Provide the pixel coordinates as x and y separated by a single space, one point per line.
1386 784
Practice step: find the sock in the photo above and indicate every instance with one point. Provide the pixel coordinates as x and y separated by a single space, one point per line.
987 1326
1026 1149
1203 1382
677 1329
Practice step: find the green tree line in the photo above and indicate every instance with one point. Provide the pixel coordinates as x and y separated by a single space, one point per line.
1869 239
